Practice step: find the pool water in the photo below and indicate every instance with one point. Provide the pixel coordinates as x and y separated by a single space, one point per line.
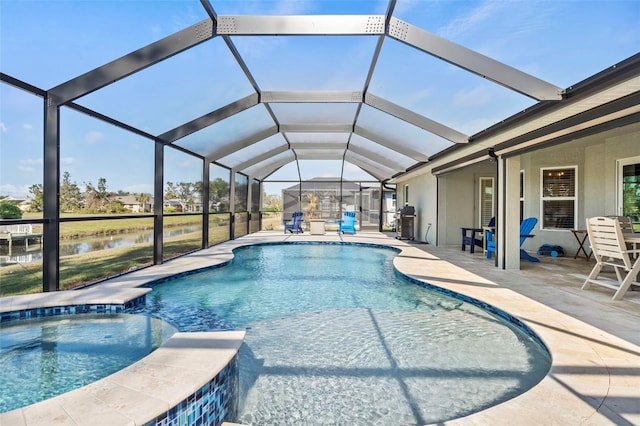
45 357
336 336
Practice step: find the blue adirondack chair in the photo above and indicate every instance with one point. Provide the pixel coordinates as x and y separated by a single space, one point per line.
525 228
294 224
473 236
347 223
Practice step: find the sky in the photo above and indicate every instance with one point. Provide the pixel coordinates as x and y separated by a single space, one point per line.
45 43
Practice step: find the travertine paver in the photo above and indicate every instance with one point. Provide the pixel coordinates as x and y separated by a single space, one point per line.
595 374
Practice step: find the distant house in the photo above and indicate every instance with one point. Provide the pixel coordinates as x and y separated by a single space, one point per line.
23 203
130 203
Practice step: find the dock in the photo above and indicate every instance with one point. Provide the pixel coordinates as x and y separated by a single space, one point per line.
18 233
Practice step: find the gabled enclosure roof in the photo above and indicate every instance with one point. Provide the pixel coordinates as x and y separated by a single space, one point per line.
379 85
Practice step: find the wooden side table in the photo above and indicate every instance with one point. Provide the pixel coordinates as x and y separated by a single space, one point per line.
581 236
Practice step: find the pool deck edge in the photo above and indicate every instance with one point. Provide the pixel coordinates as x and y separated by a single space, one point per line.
594 377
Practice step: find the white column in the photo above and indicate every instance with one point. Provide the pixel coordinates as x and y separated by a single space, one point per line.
511 214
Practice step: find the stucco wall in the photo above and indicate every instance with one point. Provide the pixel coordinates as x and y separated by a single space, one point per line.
457 192
596 158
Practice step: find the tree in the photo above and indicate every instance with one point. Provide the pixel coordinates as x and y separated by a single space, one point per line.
271 203
219 195
98 198
143 199
311 208
9 210
70 196
182 193
37 200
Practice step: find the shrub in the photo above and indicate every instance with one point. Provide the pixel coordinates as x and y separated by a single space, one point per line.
9 210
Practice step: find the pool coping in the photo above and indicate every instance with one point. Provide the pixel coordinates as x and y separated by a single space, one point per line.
143 391
591 371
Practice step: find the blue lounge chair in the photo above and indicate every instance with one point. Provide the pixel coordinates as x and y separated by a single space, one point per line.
294 224
525 228
347 223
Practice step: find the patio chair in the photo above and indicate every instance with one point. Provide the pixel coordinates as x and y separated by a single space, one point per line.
475 236
347 223
294 224
525 228
609 248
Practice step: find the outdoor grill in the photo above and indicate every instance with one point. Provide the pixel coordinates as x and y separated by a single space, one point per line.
404 222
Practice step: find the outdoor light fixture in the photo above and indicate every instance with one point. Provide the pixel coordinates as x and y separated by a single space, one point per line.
492 155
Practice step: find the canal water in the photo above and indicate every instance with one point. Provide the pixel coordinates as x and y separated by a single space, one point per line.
21 253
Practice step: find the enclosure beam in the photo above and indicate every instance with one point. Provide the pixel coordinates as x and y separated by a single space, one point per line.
223 151
133 62
472 61
379 168
265 156
378 158
415 119
366 167
269 168
300 25
311 96
317 128
209 119
396 146
318 145
51 199
158 203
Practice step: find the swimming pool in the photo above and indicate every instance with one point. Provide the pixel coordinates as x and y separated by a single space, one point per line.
335 335
45 357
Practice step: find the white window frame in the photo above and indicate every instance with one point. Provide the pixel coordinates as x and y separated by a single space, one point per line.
493 200
620 164
543 198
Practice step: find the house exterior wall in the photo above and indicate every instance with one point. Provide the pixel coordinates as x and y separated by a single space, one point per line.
450 201
457 192
595 158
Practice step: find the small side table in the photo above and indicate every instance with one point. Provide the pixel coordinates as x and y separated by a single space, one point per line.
316 227
471 240
581 236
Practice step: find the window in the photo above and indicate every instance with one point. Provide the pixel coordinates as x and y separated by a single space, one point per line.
486 200
406 194
559 201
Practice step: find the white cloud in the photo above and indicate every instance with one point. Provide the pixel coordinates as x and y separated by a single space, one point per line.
478 96
27 126
3 128
93 137
10 190
29 165
291 7
474 18
67 161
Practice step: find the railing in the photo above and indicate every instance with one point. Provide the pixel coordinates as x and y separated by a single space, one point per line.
16 229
